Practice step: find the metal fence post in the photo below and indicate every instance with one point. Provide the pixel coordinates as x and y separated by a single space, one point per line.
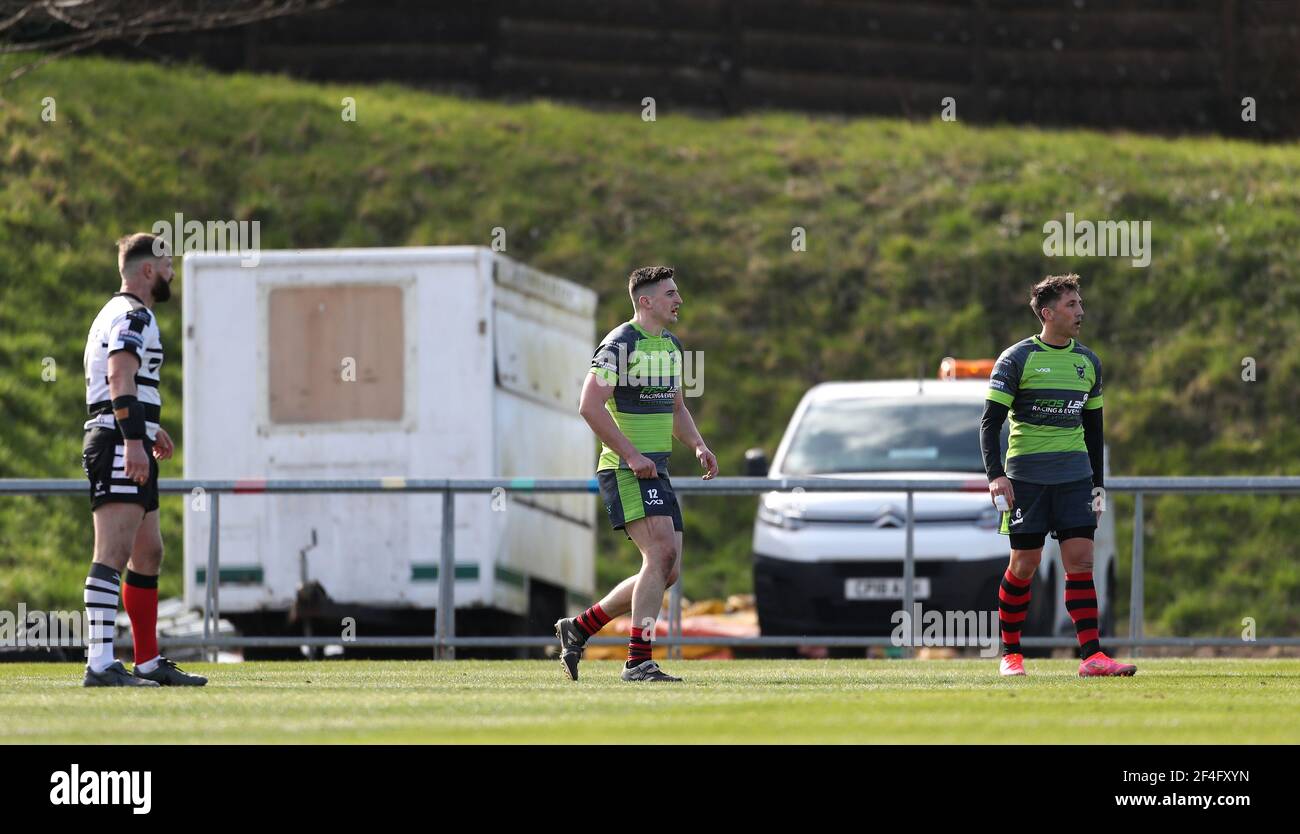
445 623
675 615
211 610
207 592
1136 591
909 579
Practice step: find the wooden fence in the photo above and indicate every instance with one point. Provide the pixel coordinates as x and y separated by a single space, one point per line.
1147 65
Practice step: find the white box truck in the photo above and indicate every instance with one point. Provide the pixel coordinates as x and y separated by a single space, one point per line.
423 362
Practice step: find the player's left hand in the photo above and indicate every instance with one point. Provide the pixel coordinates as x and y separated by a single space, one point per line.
162 445
708 461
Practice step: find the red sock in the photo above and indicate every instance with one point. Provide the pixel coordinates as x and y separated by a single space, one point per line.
1081 602
638 648
592 620
140 597
1013 605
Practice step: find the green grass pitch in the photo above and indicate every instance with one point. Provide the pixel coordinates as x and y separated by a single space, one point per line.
806 701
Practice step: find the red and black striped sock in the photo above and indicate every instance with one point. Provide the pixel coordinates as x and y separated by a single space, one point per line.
1081 602
1013 604
592 620
638 648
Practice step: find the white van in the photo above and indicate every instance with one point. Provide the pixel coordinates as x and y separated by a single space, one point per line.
831 563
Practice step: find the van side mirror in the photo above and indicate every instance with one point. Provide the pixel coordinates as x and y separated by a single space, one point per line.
755 463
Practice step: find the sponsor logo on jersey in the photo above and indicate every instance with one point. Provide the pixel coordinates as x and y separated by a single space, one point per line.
1057 406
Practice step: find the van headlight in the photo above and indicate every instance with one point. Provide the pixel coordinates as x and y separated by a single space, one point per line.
770 515
773 510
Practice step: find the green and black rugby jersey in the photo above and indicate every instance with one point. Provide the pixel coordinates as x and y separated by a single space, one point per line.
646 372
1047 389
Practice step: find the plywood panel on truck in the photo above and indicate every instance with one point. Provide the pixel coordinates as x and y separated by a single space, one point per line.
312 331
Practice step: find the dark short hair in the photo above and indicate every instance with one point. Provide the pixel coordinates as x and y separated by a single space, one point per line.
645 276
139 245
1046 292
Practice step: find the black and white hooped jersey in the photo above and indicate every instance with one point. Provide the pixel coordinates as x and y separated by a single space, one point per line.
124 324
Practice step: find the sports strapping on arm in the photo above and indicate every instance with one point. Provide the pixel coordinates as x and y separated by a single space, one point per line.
130 416
129 411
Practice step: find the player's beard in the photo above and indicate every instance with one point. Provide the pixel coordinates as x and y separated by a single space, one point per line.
162 290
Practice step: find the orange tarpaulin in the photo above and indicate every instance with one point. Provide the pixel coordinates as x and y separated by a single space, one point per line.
737 624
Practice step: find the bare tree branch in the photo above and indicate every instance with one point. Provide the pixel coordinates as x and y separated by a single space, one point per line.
43 25
52 9
42 61
15 19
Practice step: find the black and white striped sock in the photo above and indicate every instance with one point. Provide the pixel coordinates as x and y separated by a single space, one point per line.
103 587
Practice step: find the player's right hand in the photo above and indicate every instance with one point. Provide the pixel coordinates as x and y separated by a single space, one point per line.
642 466
1002 486
137 462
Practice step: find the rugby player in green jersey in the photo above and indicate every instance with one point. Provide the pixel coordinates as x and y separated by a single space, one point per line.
1051 386
633 401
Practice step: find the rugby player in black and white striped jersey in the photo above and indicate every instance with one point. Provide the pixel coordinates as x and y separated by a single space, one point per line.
124 442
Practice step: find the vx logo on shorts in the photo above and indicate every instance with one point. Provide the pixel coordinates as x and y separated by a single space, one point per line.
1016 519
654 500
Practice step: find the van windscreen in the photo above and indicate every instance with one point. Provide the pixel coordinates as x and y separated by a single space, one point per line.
867 435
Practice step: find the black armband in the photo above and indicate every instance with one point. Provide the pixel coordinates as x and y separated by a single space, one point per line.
130 416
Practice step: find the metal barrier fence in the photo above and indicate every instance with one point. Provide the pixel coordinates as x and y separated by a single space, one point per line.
444 640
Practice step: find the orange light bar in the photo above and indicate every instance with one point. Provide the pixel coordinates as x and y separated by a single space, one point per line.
951 368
